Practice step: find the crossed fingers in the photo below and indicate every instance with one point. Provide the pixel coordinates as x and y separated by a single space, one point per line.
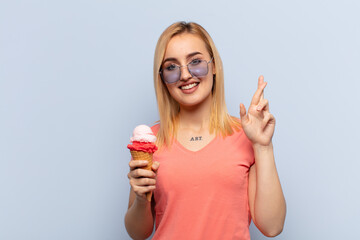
258 98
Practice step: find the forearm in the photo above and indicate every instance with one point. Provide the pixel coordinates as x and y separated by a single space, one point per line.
269 206
139 222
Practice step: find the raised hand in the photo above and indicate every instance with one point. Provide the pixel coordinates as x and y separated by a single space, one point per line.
258 123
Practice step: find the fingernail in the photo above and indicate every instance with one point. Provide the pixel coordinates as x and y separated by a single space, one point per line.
258 108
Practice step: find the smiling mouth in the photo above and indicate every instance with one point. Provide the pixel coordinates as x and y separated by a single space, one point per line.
189 86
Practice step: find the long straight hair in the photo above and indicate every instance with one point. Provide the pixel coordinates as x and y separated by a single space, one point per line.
220 121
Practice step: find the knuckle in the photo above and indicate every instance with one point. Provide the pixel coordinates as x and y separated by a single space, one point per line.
146 181
147 173
151 173
137 172
151 181
132 183
136 188
132 174
141 190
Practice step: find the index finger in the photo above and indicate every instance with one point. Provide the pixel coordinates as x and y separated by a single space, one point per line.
137 163
259 94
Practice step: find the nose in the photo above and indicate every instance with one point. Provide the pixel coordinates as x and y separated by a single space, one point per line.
185 75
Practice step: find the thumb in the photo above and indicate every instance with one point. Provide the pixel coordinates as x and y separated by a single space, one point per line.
243 116
155 166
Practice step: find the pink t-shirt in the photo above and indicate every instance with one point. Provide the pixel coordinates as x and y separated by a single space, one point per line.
204 194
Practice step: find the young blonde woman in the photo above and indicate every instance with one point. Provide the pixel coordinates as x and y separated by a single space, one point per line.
213 173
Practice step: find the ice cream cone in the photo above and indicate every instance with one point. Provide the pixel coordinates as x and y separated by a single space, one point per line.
139 155
142 147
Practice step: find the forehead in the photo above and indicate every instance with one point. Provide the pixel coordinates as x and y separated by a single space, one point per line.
181 45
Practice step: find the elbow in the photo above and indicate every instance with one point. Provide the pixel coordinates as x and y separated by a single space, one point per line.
271 226
135 231
270 230
273 232
137 235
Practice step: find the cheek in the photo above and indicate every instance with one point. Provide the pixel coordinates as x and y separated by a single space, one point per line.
171 90
210 82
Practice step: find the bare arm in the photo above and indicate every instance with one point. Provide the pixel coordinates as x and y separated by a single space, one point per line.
139 219
266 199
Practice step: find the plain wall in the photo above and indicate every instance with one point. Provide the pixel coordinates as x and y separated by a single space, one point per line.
76 78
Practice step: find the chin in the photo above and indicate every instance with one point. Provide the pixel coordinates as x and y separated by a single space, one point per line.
192 103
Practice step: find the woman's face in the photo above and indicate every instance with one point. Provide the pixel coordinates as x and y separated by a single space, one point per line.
181 50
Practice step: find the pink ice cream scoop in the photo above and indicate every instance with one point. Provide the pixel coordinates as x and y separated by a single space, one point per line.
143 140
143 133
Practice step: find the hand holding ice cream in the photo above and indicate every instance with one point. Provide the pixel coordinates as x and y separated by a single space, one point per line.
142 147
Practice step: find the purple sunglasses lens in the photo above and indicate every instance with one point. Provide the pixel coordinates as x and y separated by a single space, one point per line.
199 70
171 76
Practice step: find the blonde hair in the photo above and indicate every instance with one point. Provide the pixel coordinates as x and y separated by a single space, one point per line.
220 120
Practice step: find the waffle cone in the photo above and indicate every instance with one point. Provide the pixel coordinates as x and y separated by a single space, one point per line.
139 155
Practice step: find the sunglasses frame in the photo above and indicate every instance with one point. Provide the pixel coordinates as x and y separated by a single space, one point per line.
187 65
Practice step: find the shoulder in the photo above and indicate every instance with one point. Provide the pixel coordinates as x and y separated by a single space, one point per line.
235 120
236 125
241 141
155 128
238 131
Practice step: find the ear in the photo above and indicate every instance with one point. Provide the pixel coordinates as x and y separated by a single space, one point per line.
213 68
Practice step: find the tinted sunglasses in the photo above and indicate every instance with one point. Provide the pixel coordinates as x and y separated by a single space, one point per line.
197 68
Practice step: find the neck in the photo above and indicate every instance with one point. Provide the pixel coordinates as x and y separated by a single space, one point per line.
196 117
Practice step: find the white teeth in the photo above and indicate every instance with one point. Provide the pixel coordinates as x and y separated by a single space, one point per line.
189 86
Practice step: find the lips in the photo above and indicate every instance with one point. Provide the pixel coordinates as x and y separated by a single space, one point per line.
188 86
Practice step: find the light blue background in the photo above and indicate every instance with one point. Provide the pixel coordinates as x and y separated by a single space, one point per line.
76 78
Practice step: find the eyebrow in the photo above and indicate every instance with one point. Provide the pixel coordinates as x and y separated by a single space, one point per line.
187 57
